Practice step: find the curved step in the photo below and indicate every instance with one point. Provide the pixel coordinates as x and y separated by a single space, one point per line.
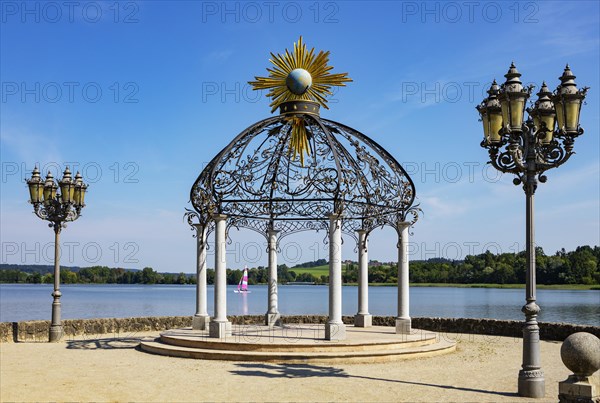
368 356
315 345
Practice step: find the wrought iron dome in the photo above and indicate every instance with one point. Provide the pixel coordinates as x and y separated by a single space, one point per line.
263 180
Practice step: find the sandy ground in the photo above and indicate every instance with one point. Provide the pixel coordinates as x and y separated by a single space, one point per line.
483 369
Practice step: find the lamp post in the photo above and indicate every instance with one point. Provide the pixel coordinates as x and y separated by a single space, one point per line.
58 209
528 148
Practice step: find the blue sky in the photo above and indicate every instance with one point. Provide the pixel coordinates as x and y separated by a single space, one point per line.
141 95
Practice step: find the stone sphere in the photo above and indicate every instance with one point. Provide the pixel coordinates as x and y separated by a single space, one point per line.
580 352
298 81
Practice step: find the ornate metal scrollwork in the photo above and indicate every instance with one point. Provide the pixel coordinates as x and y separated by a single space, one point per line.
259 183
57 213
194 220
526 156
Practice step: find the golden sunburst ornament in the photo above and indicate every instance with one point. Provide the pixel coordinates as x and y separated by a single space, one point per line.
299 76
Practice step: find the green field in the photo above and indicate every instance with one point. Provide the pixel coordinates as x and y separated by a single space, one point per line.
317 271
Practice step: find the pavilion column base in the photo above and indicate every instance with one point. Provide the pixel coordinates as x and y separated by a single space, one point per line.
219 330
200 322
403 326
363 320
335 331
273 319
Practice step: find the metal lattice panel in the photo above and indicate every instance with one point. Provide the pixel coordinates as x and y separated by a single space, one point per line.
259 183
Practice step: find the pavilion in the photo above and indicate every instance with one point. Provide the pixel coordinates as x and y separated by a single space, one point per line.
299 172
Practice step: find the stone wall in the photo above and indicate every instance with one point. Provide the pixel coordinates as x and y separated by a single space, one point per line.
37 331
510 328
6 331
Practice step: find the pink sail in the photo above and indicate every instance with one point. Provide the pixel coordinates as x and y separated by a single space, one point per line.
243 284
245 280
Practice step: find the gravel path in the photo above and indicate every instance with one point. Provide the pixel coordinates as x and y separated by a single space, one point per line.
483 369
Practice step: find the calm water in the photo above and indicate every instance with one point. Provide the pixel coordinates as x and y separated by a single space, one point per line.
30 302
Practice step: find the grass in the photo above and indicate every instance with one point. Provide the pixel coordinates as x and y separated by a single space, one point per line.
317 271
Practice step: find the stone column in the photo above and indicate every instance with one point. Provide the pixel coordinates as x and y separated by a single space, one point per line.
403 324
219 326
201 319
335 328
272 315
363 318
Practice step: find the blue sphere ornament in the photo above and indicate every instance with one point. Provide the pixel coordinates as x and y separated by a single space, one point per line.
298 81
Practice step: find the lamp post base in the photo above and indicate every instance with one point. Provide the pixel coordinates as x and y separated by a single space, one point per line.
532 384
56 333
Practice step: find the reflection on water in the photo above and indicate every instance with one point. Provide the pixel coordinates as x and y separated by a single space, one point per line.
33 301
243 303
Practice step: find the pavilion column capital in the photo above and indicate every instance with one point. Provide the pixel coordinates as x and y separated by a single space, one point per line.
201 231
219 217
403 225
362 239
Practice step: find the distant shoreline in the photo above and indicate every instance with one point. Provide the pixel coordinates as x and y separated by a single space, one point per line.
584 287
594 287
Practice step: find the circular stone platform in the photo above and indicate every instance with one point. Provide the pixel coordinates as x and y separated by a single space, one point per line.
297 343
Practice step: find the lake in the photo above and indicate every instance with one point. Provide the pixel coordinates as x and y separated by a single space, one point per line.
20 302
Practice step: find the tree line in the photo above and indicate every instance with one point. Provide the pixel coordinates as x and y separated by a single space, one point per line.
107 275
576 267
95 275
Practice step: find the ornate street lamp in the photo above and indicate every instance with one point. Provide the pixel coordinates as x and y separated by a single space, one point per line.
531 147
58 209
